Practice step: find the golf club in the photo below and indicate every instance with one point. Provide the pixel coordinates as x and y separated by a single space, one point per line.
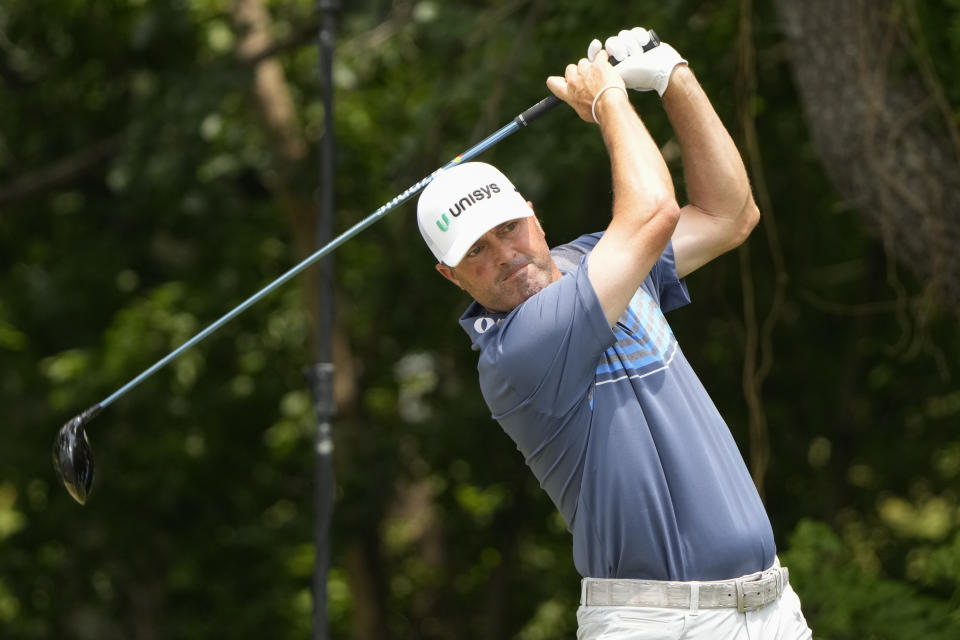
72 456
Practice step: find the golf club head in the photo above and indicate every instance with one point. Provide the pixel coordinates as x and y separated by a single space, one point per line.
72 457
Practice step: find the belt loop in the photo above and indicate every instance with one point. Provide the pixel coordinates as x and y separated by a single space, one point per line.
694 598
740 604
583 592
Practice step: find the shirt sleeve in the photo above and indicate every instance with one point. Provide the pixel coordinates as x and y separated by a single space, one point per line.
670 290
546 350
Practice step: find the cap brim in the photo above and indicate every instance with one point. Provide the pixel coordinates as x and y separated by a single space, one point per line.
462 244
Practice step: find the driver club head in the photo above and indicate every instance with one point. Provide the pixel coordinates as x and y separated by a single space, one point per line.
72 457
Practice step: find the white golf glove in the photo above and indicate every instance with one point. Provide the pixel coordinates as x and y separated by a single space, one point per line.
641 70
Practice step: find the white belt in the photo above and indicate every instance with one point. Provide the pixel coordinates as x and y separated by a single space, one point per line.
746 593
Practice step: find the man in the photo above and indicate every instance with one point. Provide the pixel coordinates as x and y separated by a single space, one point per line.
580 368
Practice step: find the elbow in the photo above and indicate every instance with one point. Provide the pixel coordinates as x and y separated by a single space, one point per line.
653 218
665 215
661 205
746 221
669 210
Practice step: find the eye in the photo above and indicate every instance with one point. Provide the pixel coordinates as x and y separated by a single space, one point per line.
510 227
474 250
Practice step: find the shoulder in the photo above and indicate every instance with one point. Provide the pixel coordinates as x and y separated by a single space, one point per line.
567 256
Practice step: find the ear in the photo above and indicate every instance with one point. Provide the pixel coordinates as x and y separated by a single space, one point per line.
536 221
447 272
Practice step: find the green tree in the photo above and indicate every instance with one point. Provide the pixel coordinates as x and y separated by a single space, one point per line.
158 165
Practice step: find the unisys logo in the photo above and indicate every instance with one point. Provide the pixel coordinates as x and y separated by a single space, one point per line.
467 201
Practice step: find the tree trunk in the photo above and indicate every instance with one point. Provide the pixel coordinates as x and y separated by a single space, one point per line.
882 127
274 100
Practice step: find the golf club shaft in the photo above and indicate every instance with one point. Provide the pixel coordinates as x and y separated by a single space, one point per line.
520 121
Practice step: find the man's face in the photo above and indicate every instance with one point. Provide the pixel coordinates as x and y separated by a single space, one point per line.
507 265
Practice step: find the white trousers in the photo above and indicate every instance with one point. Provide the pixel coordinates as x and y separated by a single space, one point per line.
779 620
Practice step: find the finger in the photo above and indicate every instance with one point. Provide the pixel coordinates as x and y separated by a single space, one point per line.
595 45
570 72
630 42
583 66
641 35
615 47
557 86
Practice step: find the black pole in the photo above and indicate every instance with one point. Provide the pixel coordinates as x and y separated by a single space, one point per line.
321 374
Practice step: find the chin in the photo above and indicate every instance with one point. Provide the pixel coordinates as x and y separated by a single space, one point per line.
526 293
517 295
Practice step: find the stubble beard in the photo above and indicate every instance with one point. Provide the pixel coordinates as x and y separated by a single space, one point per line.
534 277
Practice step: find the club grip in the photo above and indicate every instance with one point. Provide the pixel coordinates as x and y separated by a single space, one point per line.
551 101
537 110
654 40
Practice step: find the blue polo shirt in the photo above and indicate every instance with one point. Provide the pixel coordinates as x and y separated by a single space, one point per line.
619 430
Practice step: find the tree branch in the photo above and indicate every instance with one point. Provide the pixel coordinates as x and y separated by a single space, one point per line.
301 37
758 343
60 172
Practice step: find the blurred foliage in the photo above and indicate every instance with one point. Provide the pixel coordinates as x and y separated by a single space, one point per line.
138 203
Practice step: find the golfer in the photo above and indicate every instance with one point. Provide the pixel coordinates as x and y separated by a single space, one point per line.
579 366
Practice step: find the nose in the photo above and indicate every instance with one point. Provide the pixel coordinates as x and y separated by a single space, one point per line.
503 252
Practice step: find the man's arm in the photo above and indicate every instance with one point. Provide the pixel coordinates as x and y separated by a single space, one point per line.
645 210
721 211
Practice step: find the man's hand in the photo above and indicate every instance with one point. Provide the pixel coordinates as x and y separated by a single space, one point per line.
582 84
640 70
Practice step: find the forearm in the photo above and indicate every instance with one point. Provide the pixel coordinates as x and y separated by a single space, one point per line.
645 209
641 180
716 178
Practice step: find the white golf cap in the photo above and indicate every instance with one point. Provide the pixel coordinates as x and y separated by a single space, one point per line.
463 203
